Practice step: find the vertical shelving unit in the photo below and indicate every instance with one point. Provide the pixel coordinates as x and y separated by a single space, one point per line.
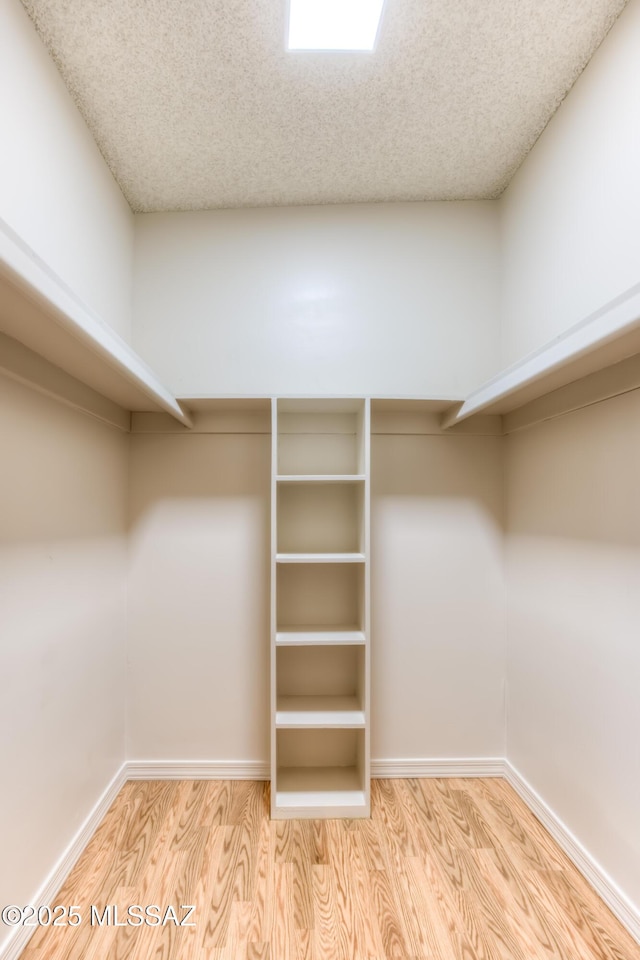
320 608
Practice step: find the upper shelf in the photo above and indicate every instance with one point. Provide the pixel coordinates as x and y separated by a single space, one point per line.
40 311
602 339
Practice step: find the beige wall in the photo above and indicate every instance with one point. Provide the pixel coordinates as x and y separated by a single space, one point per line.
199 598
438 629
573 583
62 616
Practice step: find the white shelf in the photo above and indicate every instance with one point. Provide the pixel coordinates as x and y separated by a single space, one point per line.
314 791
40 311
320 654
607 336
323 712
320 478
301 636
320 558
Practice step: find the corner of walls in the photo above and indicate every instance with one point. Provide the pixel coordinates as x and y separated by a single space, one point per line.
626 912
573 554
18 937
62 567
128 555
569 235
505 599
56 191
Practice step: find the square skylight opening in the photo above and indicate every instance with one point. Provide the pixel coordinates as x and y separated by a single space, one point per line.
334 24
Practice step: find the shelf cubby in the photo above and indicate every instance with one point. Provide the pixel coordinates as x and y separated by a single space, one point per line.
320 437
321 518
328 673
320 596
321 773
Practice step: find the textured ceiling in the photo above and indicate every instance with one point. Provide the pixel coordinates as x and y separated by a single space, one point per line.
196 103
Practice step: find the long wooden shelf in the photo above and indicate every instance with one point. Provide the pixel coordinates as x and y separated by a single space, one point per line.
605 337
324 712
39 311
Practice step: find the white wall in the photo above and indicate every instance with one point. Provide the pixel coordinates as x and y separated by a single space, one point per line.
570 220
199 598
198 670
573 584
62 617
438 628
56 191
391 299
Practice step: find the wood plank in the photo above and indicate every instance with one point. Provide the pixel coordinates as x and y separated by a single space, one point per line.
221 889
325 924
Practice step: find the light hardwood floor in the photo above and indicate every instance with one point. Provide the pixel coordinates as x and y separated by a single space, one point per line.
445 869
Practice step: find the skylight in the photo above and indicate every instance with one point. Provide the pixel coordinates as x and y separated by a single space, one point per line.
333 24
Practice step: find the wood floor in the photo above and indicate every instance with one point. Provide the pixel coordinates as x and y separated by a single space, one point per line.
445 869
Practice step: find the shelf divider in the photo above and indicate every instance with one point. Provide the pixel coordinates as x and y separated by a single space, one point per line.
320 558
317 711
300 636
320 478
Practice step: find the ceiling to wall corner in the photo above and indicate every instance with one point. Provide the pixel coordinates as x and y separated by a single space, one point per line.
196 104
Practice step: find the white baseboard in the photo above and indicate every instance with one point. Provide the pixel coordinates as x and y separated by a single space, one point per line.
624 910
13 947
471 767
197 770
256 770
